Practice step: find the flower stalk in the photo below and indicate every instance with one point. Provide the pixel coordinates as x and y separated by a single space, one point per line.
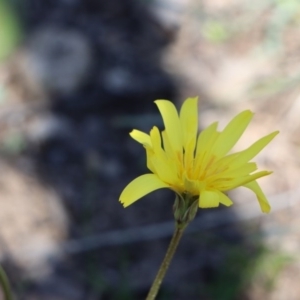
185 209
166 262
5 285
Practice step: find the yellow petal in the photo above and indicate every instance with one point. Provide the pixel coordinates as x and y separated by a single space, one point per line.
234 183
189 157
140 187
224 199
263 202
163 170
206 139
189 121
253 150
212 198
190 186
227 160
189 125
156 142
205 142
172 124
167 146
140 137
173 162
232 132
209 199
235 160
221 165
159 160
231 173
149 155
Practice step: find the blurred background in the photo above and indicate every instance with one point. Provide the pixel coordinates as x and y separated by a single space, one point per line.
76 76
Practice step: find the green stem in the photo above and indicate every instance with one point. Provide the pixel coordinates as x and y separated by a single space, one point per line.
5 285
166 263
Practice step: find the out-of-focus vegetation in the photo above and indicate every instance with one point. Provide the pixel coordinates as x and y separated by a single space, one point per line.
236 55
13 144
10 31
215 31
285 13
265 269
219 27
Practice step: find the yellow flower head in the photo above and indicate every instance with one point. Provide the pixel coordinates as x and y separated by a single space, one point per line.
197 165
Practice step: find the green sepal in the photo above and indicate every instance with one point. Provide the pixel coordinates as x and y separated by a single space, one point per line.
185 209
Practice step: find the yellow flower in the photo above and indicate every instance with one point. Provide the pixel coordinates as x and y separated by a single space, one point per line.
197 166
